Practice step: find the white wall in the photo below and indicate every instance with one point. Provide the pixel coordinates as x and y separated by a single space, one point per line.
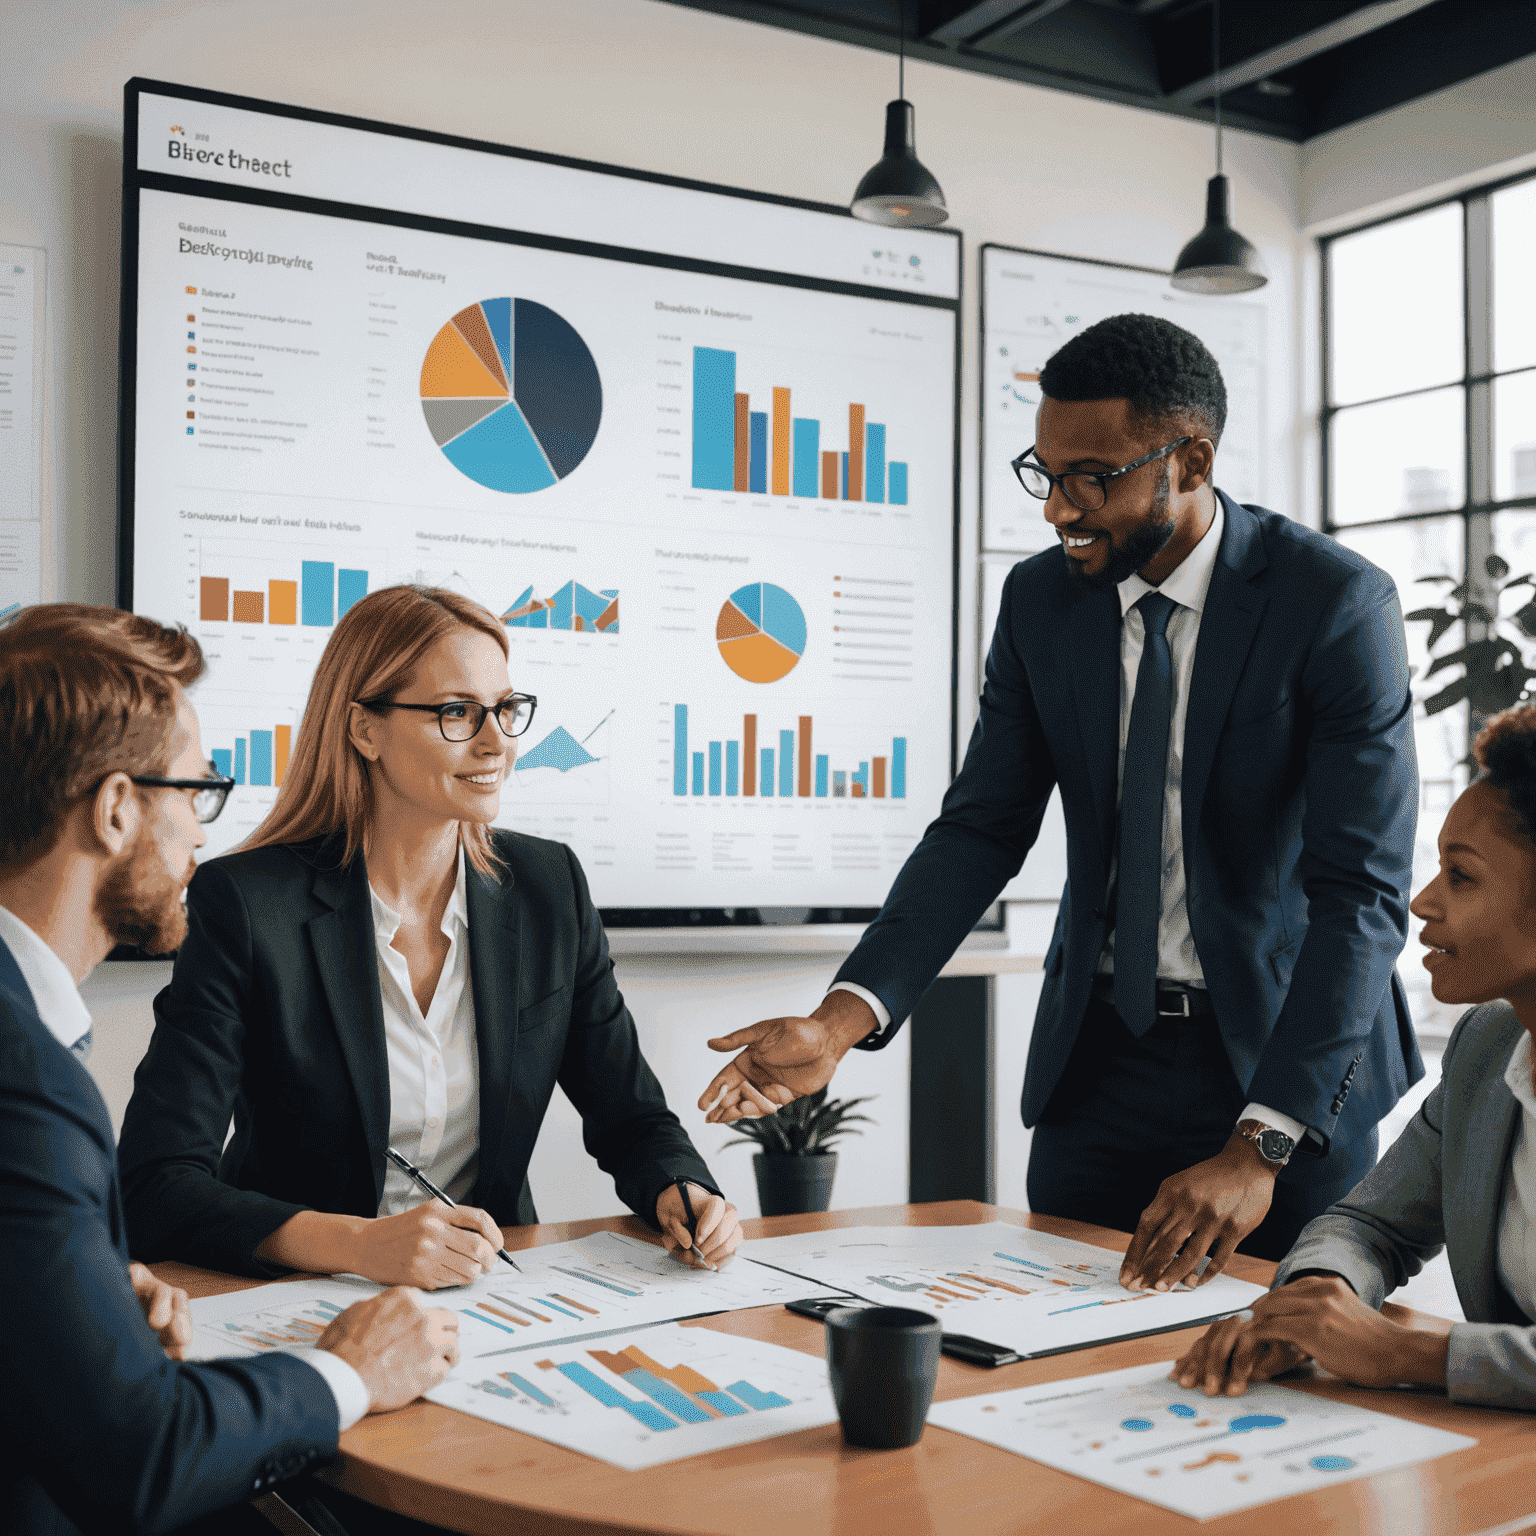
1480 130
639 83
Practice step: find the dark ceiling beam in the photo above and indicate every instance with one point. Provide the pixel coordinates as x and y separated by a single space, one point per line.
1297 50
1026 17
973 19
803 19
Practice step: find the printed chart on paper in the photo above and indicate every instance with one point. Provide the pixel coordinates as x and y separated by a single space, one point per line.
640 1399
584 1288
1009 1285
1143 1434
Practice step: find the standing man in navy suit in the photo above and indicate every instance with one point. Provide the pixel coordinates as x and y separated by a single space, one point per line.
1222 698
104 1428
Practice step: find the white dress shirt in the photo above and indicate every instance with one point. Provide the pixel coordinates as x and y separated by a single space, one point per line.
1517 1225
64 1014
1187 586
434 1072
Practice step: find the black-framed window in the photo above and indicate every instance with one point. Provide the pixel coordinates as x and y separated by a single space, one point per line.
1429 465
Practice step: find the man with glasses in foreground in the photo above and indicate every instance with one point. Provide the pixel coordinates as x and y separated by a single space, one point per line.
1222 698
103 781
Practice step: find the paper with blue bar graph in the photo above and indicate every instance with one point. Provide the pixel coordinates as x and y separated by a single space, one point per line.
1140 1433
639 1399
1036 1293
584 1288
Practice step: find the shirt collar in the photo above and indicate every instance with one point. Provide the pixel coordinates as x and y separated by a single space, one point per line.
1187 585
54 993
386 921
1518 1074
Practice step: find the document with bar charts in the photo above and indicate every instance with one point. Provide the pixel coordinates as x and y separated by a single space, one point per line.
1038 1294
639 1399
1139 1432
589 1286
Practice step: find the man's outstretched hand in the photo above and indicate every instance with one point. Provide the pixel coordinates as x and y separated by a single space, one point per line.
1207 1209
784 1059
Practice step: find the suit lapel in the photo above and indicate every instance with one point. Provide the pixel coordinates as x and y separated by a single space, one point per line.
1089 650
1474 1201
347 958
1228 623
13 985
496 935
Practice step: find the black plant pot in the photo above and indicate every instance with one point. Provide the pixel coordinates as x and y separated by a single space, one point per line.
790 1186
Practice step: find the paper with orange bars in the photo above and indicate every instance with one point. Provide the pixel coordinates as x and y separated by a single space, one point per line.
1034 1292
640 1399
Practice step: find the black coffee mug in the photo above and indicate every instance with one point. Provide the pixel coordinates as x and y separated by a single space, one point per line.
884 1362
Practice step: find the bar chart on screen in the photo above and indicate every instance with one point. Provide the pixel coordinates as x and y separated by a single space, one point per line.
249 737
773 452
640 1399
275 581
762 757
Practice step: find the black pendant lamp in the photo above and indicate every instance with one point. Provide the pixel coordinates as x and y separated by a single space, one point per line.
1218 260
898 189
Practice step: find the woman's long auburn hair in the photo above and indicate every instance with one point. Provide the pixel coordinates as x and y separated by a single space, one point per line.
372 652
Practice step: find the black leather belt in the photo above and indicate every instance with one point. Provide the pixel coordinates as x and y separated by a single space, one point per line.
1175 999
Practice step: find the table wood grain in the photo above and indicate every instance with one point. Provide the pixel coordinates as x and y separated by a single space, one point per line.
484 1480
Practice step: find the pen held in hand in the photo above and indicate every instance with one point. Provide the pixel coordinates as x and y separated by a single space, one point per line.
693 1226
411 1171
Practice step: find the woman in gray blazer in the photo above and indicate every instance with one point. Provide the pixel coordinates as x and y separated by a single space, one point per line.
1463 1174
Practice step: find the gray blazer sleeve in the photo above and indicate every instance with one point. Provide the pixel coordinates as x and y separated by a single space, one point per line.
1380 1235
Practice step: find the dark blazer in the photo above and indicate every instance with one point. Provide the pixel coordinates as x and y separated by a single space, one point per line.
99 1431
1299 800
1441 1184
273 1015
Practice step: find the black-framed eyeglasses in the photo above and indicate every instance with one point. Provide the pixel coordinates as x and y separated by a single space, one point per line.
1090 491
462 719
212 791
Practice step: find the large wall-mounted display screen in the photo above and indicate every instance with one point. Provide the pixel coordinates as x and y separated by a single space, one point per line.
696 449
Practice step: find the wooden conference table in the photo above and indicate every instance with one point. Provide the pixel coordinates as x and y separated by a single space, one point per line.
478 1478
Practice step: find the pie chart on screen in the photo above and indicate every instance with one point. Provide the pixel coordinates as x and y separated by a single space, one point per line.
511 395
761 632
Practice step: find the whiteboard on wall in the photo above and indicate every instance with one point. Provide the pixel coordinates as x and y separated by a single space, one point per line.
695 448
1031 304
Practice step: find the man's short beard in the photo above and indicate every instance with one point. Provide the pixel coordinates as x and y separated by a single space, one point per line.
139 899
1139 547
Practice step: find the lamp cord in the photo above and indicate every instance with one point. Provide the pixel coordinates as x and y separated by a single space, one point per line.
901 53
1216 60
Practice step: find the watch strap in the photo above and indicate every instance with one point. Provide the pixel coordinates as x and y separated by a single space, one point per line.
1256 1131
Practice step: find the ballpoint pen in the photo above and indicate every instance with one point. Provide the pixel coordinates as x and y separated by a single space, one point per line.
693 1226
411 1171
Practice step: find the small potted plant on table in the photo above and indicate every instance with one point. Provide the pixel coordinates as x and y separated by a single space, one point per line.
794 1167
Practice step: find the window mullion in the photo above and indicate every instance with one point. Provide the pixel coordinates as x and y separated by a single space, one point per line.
1479 299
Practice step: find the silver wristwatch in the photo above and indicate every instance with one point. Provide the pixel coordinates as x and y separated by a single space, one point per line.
1275 1147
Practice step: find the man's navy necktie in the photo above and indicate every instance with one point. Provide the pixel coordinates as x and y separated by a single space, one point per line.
1139 882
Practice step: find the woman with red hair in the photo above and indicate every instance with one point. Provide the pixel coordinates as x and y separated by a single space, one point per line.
376 967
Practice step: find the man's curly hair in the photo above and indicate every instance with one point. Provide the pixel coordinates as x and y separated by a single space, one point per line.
1505 750
1167 374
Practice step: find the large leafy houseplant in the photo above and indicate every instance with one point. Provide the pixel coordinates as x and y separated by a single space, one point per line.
795 1164
1494 672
